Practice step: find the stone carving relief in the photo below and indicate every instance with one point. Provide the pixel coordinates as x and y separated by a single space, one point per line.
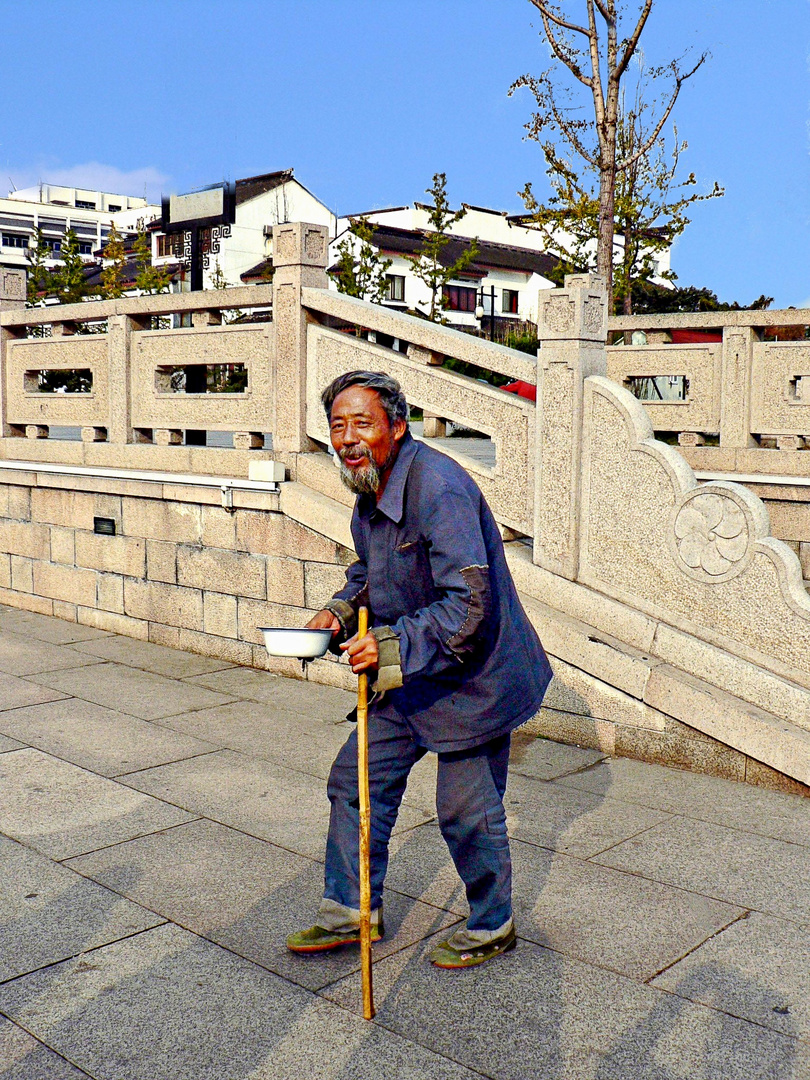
12 285
285 245
712 537
593 315
558 314
735 343
313 246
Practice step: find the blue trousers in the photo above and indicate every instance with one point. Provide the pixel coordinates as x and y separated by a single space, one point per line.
469 804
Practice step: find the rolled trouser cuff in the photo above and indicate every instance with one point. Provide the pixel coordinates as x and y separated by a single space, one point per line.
465 939
339 919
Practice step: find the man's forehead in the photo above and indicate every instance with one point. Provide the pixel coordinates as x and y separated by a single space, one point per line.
356 400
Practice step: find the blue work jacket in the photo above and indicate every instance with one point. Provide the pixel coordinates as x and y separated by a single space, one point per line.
431 567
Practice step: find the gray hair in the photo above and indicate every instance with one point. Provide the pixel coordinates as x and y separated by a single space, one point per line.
390 392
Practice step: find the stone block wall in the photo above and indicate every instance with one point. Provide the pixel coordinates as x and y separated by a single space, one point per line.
180 571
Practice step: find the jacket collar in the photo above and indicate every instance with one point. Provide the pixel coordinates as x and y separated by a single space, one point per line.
392 503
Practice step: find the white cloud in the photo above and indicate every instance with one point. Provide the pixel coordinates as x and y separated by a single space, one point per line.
96 177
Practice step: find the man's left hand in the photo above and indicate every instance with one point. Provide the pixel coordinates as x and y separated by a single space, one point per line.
363 652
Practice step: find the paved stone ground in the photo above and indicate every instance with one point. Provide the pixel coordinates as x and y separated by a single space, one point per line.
162 819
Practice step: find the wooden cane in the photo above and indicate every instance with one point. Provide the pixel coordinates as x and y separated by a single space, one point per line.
365 829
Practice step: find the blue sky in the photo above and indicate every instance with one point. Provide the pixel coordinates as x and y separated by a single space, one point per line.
366 99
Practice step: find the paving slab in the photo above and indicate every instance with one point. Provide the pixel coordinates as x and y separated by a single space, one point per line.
708 798
576 822
8 744
16 693
262 798
47 627
23 1057
536 1014
62 810
768 954
99 739
751 871
420 866
21 655
268 732
543 759
247 895
129 690
613 920
166 1005
326 703
150 657
421 787
50 913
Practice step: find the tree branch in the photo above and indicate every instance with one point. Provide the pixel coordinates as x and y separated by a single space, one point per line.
633 39
647 143
546 11
566 56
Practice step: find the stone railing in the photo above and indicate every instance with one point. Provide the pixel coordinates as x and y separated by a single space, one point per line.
666 602
736 397
506 419
143 395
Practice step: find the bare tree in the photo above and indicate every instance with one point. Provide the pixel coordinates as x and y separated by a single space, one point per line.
597 54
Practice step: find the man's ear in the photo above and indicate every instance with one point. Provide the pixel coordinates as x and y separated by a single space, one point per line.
399 429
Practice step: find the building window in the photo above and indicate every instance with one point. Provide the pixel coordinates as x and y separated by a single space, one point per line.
54 245
113 208
510 301
85 248
395 287
460 297
83 204
169 245
14 240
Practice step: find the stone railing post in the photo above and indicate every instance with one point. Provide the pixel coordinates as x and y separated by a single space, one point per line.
735 383
119 376
300 254
572 330
12 298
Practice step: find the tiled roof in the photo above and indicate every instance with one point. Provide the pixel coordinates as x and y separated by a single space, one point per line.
262 271
252 186
490 255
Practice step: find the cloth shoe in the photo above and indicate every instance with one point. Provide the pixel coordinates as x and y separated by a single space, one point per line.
447 955
316 939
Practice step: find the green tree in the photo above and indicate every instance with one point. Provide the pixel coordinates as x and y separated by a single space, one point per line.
69 281
115 256
148 278
596 51
430 263
39 276
361 272
650 207
652 299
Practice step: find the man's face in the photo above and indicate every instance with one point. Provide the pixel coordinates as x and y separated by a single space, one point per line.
364 439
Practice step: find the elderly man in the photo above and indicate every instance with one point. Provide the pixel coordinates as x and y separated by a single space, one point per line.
456 664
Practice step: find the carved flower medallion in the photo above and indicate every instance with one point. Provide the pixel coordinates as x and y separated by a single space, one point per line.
712 536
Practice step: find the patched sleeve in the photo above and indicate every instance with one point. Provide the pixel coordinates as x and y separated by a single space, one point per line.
389 665
452 630
345 604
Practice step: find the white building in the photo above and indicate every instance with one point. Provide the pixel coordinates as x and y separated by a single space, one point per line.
55 209
244 250
510 260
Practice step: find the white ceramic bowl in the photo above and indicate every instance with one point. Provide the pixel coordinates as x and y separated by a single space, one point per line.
305 644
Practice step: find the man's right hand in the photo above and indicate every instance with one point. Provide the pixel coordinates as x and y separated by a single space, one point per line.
324 620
